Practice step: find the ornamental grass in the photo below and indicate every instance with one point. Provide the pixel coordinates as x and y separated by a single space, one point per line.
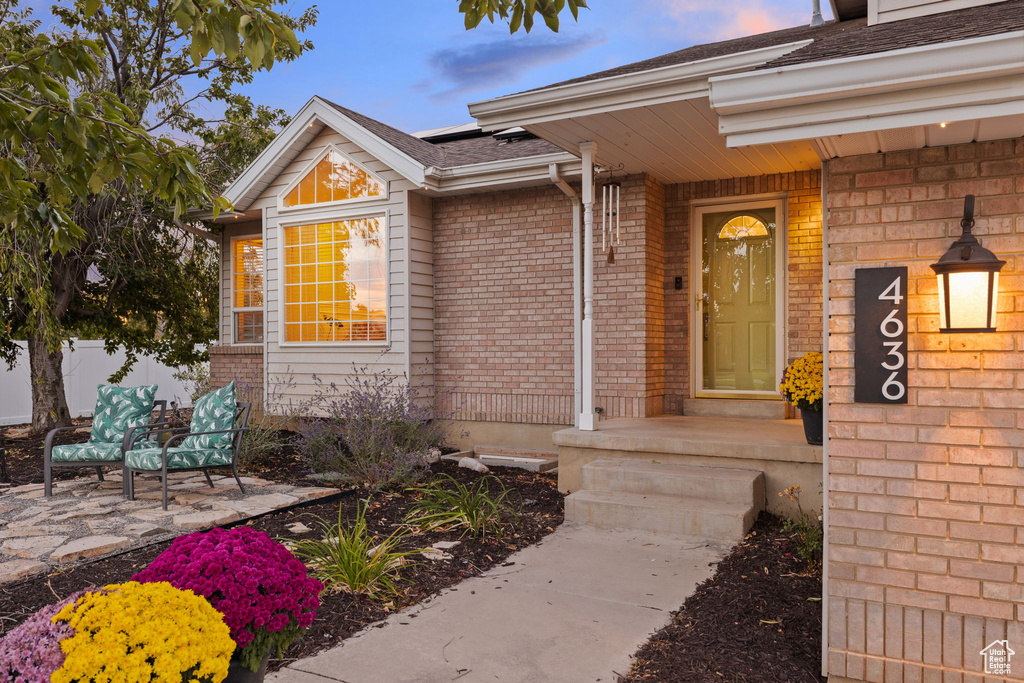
262 591
143 632
803 381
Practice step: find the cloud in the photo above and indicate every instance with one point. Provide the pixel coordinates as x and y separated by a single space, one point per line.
498 63
724 19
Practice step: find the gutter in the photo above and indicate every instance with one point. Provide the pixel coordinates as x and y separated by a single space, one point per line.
577 299
624 91
899 88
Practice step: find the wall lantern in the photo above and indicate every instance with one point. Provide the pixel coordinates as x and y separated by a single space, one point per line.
968 276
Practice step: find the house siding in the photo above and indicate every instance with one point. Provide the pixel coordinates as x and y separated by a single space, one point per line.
410 271
926 558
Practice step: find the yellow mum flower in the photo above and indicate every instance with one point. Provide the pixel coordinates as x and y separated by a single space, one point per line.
143 632
803 382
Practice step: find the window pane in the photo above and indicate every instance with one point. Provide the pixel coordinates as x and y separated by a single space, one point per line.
334 178
247 288
340 299
248 327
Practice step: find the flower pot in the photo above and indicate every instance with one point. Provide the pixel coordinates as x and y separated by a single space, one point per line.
813 431
240 674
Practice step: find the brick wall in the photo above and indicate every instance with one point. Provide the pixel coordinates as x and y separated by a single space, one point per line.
803 191
927 499
503 306
242 364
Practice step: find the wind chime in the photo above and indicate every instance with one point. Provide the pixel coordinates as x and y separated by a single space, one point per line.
611 237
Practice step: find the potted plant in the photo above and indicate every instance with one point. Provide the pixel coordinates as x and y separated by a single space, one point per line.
257 584
127 632
803 386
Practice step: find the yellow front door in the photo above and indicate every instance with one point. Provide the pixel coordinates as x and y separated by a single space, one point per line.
737 318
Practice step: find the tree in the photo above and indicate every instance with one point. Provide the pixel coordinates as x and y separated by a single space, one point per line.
518 12
102 152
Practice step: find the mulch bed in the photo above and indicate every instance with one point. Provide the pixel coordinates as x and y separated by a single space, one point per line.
757 619
341 614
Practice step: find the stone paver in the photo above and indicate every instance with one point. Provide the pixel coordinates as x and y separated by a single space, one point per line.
204 520
20 569
31 547
86 518
90 546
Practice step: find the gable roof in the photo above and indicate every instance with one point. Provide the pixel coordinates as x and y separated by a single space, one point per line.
419 161
837 39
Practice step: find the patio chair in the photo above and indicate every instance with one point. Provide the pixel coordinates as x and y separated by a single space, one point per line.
212 441
120 413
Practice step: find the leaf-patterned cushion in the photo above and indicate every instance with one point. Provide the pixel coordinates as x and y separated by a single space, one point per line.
178 458
93 452
213 412
86 452
118 409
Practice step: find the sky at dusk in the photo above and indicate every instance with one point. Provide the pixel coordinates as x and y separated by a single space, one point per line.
412 64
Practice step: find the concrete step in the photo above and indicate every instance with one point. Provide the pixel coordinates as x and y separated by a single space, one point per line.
719 484
660 513
726 407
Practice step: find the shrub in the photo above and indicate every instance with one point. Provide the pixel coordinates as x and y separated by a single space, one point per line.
31 652
172 632
265 437
196 378
472 508
255 582
806 528
376 430
353 558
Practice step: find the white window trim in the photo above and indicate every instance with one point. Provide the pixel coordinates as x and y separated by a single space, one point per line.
231 292
354 214
282 209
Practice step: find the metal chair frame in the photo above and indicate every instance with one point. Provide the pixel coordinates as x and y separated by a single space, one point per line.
126 441
179 434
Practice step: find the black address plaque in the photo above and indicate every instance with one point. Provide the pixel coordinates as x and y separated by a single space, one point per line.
880 335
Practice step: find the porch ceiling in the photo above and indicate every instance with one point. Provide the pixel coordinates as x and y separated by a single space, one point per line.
676 142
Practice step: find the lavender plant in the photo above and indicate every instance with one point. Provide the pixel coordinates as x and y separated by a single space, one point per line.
374 430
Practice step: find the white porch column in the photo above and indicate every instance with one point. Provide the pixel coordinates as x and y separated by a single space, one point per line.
588 418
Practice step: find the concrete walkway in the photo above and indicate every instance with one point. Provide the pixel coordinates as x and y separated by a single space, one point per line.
573 608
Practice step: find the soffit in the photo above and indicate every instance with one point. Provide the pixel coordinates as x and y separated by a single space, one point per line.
676 142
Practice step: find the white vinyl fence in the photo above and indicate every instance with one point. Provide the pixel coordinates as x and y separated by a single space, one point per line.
85 367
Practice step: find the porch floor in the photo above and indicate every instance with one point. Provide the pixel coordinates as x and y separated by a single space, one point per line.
779 440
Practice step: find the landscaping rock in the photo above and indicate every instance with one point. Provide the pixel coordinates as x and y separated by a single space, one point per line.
312 492
19 569
475 465
446 545
31 547
436 555
33 531
298 528
144 530
206 519
90 546
432 455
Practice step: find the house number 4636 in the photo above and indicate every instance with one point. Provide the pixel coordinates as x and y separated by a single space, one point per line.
880 322
890 327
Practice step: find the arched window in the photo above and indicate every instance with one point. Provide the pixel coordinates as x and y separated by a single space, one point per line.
334 178
743 226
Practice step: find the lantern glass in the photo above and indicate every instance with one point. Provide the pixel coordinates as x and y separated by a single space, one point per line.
967 301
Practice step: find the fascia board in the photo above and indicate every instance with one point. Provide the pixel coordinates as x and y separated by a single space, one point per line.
494 174
266 158
811 131
313 111
842 78
633 89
